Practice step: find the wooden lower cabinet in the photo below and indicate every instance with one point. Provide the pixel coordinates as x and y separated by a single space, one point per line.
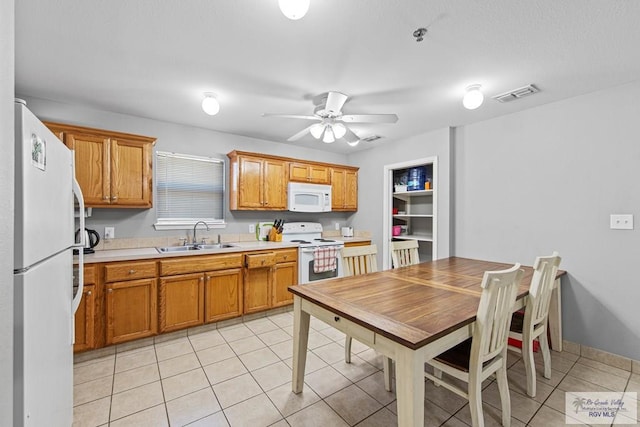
85 320
181 301
257 289
131 310
286 275
85 317
223 295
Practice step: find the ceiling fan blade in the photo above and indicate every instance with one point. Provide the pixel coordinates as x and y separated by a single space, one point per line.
350 136
300 134
335 101
290 116
369 118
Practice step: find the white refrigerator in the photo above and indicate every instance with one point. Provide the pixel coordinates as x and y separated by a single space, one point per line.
44 305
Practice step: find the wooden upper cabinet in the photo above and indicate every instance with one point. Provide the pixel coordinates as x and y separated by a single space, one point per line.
112 168
257 183
260 181
344 189
309 172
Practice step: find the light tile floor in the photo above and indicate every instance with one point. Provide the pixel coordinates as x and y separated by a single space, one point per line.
241 376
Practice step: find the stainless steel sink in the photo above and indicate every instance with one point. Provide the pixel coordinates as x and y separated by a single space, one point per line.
169 249
215 246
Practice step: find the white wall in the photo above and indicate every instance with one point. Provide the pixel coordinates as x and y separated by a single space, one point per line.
6 207
182 139
547 179
371 182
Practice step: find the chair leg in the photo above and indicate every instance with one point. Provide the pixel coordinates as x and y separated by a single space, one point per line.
475 401
347 349
438 374
386 370
503 388
529 364
546 354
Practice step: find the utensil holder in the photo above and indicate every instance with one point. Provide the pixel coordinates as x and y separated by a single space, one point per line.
274 236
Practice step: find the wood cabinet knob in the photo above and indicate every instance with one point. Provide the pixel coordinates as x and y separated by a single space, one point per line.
132 271
105 198
88 293
202 279
110 290
114 198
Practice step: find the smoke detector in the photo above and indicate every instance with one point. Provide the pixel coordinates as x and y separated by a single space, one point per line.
514 94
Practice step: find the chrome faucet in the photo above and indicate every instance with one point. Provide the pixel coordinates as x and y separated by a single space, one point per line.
195 241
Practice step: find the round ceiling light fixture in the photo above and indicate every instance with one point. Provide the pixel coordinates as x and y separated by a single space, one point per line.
317 130
473 97
294 9
210 104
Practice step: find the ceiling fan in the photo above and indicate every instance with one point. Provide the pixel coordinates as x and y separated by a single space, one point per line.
331 121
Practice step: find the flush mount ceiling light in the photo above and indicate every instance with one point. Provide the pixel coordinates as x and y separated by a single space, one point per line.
473 97
294 9
210 104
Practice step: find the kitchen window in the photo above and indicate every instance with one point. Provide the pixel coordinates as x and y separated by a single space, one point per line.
189 189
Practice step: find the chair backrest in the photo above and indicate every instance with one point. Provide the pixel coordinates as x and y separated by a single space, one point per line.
499 292
359 260
544 274
404 253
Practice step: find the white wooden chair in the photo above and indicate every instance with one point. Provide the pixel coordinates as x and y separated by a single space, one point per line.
533 323
359 260
404 253
355 261
485 353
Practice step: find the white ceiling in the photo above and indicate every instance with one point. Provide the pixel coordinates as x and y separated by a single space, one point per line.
154 58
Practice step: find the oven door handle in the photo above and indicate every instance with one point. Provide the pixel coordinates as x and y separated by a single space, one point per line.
309 251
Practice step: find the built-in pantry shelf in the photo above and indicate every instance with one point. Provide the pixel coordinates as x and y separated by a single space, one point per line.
419 237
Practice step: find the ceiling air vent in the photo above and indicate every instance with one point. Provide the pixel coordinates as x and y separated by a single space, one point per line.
371 138
512 95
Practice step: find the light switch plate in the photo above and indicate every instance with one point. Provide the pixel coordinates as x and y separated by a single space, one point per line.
252 228
109 233
621 222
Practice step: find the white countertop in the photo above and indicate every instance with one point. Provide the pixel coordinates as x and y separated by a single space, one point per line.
147 253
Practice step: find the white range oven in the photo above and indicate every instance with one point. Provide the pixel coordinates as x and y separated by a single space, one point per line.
309 237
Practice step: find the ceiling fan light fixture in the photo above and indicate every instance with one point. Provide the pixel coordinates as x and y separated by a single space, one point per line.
339 130
473 97
294 9
210 104
328 136
316 130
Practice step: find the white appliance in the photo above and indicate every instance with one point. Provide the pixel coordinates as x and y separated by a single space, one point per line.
308 235
43 267
309 197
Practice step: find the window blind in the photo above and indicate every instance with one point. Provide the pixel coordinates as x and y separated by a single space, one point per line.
189 189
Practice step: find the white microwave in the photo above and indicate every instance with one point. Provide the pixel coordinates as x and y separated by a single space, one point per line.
309 197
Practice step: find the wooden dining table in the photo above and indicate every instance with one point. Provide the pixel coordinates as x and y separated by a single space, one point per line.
409 314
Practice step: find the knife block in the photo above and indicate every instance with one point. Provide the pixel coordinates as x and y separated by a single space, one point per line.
274 236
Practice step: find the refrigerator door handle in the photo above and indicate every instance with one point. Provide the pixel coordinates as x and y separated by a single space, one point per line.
78 194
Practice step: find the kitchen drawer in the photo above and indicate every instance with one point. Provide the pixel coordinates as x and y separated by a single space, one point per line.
288 255
266 259
89 275
116 272
197 264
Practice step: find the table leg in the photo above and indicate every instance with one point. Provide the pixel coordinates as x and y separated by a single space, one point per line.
300 341
555 317
410 387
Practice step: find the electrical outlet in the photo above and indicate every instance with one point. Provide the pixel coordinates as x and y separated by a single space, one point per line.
109 233
337 226
621 222
252 228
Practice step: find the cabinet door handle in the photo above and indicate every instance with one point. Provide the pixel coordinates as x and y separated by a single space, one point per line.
202 279
105 198
132 271
88 293
114 198
110 290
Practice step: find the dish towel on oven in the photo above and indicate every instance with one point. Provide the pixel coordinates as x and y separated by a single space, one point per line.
324 259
